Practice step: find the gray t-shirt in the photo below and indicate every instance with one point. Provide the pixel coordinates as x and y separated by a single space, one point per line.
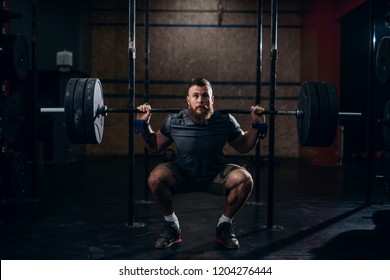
200 147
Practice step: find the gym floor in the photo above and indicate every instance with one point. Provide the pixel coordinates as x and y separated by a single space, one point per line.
81 212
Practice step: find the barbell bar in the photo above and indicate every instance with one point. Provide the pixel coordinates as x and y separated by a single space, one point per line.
298 113
105 111
317 112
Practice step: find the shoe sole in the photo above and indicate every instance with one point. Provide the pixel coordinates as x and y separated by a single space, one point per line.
219 241
176 241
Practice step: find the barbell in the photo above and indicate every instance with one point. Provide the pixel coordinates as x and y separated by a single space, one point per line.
317 112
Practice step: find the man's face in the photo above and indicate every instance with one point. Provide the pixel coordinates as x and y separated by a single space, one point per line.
200 102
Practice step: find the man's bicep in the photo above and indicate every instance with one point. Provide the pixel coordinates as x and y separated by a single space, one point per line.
162 141
237 142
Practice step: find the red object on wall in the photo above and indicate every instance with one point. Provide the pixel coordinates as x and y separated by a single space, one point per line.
320 43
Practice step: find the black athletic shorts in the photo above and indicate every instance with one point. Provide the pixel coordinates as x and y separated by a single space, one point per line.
183 185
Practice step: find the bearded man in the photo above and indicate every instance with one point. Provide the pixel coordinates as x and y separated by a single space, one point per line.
200 134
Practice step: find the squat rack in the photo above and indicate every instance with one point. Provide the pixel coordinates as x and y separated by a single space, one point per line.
131 92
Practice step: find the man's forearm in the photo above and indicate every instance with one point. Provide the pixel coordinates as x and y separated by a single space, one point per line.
149 137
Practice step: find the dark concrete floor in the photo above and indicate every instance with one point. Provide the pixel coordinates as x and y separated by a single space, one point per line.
81 212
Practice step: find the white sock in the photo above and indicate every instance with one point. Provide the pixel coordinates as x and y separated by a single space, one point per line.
172 218
224 219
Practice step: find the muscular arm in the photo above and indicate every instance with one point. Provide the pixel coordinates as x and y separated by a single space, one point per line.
155 142
245 142
248 139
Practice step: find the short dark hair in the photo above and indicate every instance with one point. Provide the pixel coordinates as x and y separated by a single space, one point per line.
200 82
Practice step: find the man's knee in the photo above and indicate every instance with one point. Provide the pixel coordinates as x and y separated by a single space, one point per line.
160 177
241 179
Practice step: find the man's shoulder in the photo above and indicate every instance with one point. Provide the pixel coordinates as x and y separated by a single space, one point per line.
222 116
179 115
177 119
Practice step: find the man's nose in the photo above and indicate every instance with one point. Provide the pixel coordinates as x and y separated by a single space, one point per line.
201 99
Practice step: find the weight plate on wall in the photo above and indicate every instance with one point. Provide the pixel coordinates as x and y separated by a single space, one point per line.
12 119
14 173
14 57
386 126
382 60
93 122
18 174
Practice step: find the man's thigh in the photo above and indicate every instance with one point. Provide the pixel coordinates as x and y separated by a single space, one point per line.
217 186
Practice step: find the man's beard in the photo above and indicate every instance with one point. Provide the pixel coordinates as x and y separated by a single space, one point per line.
201 114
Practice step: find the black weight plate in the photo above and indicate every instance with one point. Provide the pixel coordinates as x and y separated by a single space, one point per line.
14 173
333 113
304 121
323 102
13 118
382 60
93 122
308 123
14 58
21 57
386 127
328 114
69 110
78 107
314 113
18 174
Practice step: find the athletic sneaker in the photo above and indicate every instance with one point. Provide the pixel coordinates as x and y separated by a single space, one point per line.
169 235
225 236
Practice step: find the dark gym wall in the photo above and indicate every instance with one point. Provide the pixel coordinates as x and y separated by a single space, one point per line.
321 58
355 74
60 24
381 92
369 95
320 61
186 40
343 58
190 38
